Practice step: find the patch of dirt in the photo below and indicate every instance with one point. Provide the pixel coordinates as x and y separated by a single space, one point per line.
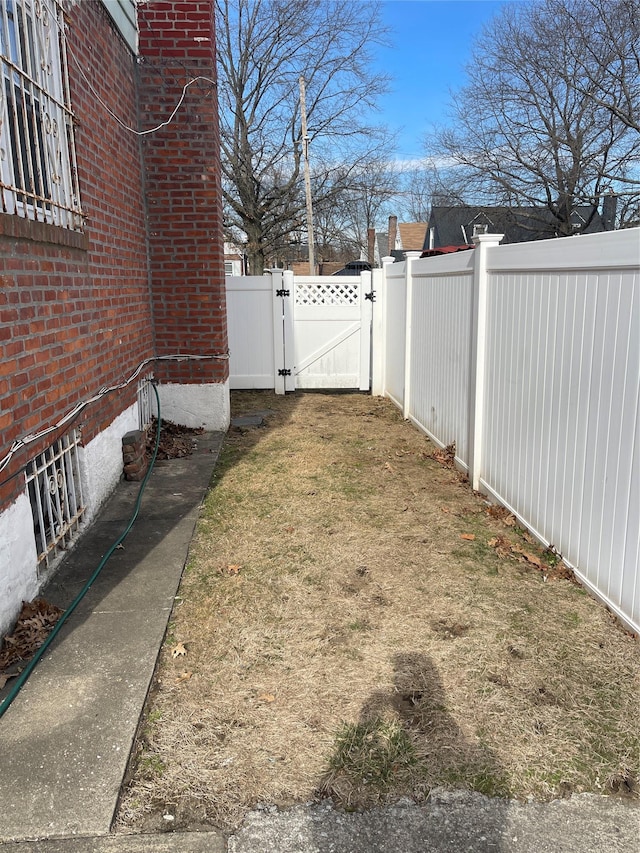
356 622
175 441
449 630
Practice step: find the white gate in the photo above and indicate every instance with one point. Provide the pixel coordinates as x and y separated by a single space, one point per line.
303 332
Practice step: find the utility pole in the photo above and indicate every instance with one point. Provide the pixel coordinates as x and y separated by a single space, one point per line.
307 177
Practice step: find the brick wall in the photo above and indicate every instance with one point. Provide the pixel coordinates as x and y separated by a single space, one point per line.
79 311
183 187
74 307
120 334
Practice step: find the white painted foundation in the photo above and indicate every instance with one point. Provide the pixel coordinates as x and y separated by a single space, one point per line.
101 469
205 406
101 461
18 560
101 466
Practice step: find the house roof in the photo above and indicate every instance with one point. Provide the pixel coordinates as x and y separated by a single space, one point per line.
454 226
412 235
445 250
382 246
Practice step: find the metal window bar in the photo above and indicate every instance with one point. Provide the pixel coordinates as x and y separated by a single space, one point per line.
38 175
55 493
145 408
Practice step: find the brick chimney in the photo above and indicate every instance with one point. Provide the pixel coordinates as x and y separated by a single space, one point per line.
393 230
609 206
371 245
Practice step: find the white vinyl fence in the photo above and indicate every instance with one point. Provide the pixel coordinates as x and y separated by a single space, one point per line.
527 357
288 332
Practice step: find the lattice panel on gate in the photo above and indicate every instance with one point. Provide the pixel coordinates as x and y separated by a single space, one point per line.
331 293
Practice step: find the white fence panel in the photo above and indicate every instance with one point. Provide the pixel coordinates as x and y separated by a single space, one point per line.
289 332
440 349
332 327
250 330
561 422
394 302
554 433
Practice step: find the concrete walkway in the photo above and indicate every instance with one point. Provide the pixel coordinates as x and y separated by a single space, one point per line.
66 740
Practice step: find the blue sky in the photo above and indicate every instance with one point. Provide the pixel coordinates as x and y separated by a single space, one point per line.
432 40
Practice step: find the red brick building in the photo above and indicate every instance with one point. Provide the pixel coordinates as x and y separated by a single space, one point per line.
111 255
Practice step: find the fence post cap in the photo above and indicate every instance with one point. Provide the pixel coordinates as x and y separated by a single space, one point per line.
487 238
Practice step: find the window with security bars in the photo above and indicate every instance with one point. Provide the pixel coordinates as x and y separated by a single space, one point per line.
55 494
145 407
38 176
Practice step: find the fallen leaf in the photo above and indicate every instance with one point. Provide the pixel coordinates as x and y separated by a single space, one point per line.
446 455
510 521
178 650
492 543
388 467
233 569
35 621
289 529
445 509
468 536
185 676
266 697
531 558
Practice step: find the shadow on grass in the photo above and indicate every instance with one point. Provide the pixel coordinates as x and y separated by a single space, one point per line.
405 743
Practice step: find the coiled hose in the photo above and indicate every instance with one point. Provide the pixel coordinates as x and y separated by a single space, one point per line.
26 672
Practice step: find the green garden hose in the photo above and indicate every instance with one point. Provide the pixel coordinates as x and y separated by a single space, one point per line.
26 672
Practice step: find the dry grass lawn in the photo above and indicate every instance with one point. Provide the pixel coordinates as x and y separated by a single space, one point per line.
355 622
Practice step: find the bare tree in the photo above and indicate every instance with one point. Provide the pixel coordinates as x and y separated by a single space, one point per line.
417 194
263 48
361 198
528 129
423 186
609 59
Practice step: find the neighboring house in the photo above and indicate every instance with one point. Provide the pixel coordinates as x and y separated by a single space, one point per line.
410 236
457 225
381 248
234 260
326 268
110 252
401 237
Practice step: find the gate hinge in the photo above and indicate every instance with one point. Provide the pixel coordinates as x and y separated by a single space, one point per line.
371 296
284 372
282 292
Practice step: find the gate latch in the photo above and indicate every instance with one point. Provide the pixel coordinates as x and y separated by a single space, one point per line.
285 371
371 296
282 292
